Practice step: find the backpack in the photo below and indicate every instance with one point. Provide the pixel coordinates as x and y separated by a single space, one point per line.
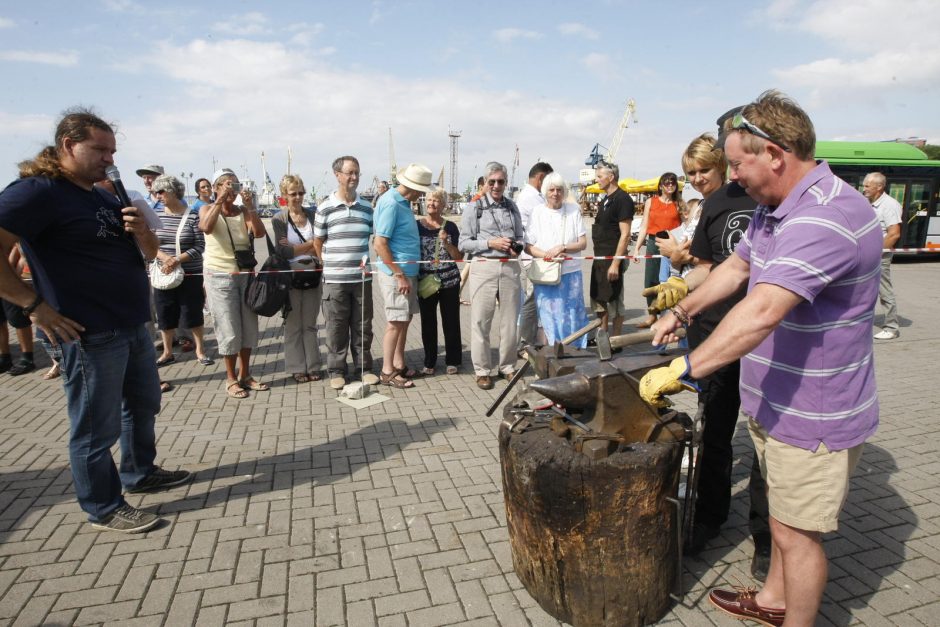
268 290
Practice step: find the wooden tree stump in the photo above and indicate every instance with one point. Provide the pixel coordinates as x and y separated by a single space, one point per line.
593 542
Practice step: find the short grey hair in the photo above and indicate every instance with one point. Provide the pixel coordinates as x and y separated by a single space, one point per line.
168 183
877 178
495 166
554 180
613 168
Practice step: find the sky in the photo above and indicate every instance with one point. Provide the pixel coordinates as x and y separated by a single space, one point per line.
197 85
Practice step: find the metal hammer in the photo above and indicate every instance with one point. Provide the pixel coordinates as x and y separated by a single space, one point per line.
606 344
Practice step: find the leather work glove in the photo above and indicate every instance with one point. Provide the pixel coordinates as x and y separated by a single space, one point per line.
671 379
667 294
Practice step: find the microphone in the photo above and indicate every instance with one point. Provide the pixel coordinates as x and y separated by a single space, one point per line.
115 177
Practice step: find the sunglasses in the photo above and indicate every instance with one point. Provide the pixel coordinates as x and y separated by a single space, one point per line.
669 182
496 182
293 194
739 122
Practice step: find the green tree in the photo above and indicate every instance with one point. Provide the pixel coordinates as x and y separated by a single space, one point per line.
933 152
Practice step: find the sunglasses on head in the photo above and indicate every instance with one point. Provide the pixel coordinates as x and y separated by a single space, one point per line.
741 123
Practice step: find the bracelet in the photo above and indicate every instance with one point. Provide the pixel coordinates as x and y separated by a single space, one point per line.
681 315
32 306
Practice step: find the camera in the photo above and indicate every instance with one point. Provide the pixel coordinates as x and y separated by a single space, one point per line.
236 187
517 247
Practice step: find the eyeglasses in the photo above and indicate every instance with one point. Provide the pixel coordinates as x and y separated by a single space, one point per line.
496 182
295 194
356 173
739 122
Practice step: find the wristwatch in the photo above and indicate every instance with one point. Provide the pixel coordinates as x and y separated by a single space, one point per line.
32 306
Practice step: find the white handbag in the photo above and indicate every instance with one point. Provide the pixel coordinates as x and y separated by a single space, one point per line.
543 272
173 279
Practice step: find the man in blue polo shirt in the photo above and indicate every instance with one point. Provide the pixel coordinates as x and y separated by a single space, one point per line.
398 246
90 303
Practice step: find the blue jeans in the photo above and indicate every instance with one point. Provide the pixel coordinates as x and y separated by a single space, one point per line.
113 392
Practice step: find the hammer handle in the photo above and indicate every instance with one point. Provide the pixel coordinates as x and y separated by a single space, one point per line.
630 339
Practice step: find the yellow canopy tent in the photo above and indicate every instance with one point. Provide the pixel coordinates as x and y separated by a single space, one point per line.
632 186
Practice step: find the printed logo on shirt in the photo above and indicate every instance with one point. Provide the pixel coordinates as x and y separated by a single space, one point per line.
108 223
735 228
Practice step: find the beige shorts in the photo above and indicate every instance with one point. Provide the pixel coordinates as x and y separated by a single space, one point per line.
614 309
398 307
805 489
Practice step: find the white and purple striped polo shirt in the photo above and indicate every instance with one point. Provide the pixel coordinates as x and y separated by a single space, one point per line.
813 379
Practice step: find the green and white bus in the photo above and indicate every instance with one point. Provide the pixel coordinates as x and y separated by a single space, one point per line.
913 180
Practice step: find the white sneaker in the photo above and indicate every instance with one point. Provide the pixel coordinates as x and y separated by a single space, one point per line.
886 334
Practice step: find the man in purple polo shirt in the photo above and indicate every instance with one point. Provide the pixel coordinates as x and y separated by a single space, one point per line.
811 260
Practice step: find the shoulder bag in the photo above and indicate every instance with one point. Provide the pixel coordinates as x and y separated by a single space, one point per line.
305 279
174 278
430 284
543 272
244 259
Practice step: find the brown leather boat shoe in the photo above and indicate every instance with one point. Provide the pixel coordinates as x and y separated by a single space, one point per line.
740 603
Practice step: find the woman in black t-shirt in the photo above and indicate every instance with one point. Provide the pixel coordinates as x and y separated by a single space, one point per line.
439 246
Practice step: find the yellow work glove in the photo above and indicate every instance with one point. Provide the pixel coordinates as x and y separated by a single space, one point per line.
669 380
667 294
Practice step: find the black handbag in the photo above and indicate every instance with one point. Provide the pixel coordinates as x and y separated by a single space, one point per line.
244 259
308 279
268 290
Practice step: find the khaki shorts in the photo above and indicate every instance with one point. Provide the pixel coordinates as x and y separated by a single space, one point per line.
805 489
614 309
398 307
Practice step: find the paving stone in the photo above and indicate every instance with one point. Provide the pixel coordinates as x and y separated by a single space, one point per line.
308 512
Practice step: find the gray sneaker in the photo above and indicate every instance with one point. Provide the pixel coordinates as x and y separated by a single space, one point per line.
127 519
160 478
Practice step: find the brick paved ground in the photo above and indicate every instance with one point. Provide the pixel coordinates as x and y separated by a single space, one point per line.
306 512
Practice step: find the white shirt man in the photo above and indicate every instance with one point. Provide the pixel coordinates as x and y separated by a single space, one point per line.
888 211
528 199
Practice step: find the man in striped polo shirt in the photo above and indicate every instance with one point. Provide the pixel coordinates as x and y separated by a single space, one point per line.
811 260
341 234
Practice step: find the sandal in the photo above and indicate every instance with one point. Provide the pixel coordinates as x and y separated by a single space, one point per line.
395 380
313 376
163 361
408 373
52 373
165 386
301 377
234 389
251 384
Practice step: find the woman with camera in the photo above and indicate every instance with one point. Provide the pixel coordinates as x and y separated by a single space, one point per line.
229 260
660 215
181 244
439 283
293 234
557 230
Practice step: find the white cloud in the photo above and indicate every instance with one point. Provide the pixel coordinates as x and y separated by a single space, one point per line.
62 59
598 64
577 29
377 13
319 110
6 22
244 25
123 6
508 35
859 28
